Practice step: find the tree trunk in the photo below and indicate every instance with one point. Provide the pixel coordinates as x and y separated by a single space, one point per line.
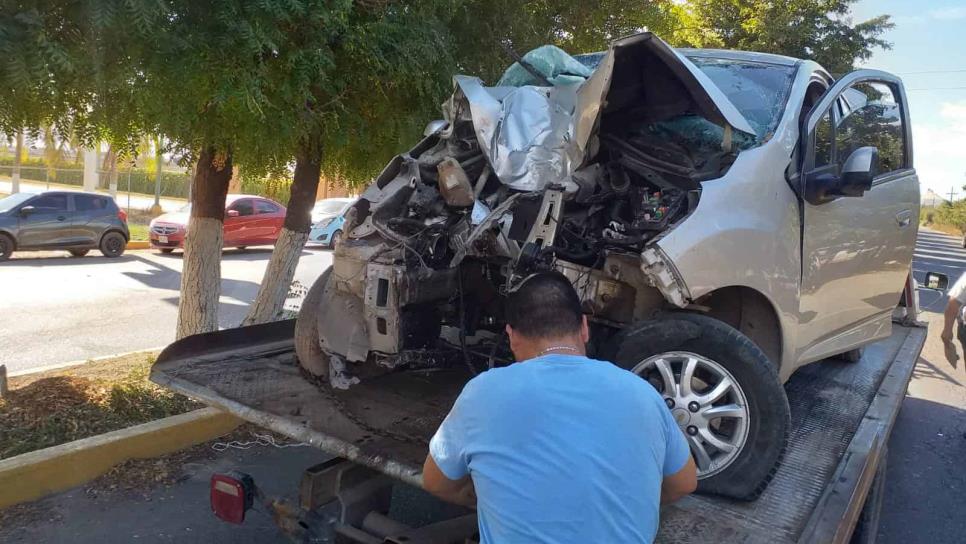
111 161
15 174
201 266
298 221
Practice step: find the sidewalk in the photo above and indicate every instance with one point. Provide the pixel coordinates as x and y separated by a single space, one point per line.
138 201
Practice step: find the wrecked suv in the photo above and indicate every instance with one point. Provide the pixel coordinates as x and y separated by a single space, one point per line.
726 218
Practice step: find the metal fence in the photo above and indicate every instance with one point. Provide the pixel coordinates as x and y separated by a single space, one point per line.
133 184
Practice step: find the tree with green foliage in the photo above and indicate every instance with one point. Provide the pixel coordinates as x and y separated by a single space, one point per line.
952 214
821 30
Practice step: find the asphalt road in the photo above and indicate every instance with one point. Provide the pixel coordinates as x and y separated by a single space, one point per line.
55 308
925 490
925 499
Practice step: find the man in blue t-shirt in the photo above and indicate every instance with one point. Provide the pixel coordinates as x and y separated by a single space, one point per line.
558 447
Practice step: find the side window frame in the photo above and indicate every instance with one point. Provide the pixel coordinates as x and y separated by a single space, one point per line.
831 101
236 203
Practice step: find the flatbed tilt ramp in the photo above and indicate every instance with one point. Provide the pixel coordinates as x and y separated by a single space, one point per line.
842 416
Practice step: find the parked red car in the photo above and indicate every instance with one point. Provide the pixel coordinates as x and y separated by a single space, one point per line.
249 221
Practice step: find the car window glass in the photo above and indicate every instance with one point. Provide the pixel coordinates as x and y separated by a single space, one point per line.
83 203
871 117
50 203
823 141
263 206
243 207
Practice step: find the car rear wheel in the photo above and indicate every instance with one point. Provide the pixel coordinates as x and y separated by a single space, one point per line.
78 252
113 244
167 249
6 247
307 348
336 239
723 392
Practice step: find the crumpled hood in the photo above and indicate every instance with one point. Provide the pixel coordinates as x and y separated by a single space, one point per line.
535 135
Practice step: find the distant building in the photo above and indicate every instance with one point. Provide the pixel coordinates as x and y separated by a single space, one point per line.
930 199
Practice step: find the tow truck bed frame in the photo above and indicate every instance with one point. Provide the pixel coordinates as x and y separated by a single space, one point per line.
842 416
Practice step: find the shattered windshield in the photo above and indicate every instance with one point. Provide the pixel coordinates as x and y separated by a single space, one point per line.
758 90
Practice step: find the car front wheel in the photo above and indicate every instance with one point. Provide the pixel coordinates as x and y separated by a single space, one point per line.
722 391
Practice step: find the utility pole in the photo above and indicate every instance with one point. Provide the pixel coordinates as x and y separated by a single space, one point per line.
159 159
952 193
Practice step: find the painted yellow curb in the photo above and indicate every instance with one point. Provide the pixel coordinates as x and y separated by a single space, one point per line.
32 475
139 244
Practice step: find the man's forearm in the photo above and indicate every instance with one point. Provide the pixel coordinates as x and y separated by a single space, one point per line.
949 316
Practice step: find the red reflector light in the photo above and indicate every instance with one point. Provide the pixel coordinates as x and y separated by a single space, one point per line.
231 495
122 215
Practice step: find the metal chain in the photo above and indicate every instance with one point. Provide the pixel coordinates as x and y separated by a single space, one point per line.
260 440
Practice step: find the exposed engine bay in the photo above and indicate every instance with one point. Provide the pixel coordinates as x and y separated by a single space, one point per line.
577 164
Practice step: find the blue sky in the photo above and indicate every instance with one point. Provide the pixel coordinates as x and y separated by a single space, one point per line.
930 36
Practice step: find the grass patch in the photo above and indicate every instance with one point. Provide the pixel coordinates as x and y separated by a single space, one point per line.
51 408
137 224
138 231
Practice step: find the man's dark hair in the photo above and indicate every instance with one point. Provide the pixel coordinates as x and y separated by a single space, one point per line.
545 305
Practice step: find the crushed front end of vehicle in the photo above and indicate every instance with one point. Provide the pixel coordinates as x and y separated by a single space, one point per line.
570 163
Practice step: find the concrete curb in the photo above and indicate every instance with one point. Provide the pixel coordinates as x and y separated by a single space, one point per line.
38 473
79 362
138 244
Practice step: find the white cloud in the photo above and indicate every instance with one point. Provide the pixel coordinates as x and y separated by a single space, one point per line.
942 14
939 148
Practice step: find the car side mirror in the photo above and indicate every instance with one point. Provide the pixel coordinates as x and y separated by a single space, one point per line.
855 179
434 126
858 172
936 281
232 213
27 210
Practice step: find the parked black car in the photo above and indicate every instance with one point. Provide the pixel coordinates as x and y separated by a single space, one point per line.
75 221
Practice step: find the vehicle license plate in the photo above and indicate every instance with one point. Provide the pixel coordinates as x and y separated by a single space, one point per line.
163 239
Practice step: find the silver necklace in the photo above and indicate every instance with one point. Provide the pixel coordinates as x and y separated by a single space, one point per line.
555 348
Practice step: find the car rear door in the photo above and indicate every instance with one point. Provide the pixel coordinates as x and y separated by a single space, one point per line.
269 220
47 223
856 251
238 228
92 216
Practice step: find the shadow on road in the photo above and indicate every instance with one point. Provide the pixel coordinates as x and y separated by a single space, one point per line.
62 260
233 254
164 277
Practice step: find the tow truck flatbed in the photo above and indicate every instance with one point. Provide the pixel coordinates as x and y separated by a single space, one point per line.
842 416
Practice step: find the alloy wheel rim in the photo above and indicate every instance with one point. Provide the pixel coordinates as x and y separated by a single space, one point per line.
707 403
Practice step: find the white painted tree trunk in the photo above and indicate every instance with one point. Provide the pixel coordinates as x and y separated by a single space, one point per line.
200 277
15 174
278 277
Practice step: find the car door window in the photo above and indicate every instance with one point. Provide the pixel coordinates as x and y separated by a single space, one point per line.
263 206
92 204
823 141
870 116
243 207
49 203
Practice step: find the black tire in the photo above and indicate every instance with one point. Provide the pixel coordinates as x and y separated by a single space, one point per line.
851 356
78 252
113 244
336 239
310 355
7 246
166 250
750 470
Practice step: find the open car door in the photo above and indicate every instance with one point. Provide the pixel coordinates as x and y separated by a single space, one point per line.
861 207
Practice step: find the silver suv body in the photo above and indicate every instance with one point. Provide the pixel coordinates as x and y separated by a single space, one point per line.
726 217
